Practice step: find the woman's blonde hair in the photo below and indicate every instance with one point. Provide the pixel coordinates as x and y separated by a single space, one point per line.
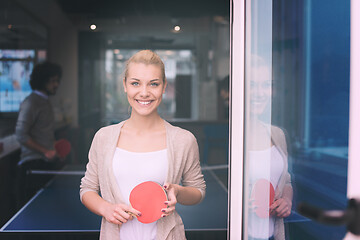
146 57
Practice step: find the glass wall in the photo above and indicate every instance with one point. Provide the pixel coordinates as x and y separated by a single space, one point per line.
297 115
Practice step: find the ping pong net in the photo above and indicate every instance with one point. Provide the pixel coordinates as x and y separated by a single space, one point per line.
57 172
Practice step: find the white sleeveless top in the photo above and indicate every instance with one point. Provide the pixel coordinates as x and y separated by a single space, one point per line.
264 164
130 169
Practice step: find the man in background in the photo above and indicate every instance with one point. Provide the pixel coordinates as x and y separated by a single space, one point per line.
224 96
35 129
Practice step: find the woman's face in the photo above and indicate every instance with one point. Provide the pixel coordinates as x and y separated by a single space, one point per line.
144 87
260 89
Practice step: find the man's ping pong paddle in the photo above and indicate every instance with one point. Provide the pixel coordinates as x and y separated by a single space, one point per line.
263 194
62 147
148 198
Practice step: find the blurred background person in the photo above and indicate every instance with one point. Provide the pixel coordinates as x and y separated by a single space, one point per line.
35 129
223 87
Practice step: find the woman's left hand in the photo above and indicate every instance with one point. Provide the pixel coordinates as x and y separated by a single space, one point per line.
281 208
172 191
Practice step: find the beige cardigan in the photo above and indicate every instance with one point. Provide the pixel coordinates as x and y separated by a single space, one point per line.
184 166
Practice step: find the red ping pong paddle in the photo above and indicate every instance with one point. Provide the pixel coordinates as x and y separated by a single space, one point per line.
148 198
62 147
263 194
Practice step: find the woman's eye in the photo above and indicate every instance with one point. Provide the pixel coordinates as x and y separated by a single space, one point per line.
155 84
135 83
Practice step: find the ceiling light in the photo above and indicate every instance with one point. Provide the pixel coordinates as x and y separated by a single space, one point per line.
177 28
93 27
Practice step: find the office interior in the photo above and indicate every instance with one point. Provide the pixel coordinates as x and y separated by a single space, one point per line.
90 95
92 40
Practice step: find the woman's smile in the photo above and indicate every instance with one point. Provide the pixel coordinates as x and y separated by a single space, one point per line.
144 103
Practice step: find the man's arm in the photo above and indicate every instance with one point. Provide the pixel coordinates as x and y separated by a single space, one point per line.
26 119
30 143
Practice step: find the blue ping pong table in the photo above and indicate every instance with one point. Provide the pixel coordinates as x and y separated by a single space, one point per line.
57 208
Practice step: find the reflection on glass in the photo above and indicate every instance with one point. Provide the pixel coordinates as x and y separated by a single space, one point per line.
268 181
297 99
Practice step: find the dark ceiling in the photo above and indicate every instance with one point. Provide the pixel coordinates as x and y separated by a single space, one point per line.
16 30
119 8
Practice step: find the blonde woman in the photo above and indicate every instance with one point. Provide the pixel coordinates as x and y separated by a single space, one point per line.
142 148
267 157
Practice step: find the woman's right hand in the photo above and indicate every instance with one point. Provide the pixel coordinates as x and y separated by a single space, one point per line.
119 213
